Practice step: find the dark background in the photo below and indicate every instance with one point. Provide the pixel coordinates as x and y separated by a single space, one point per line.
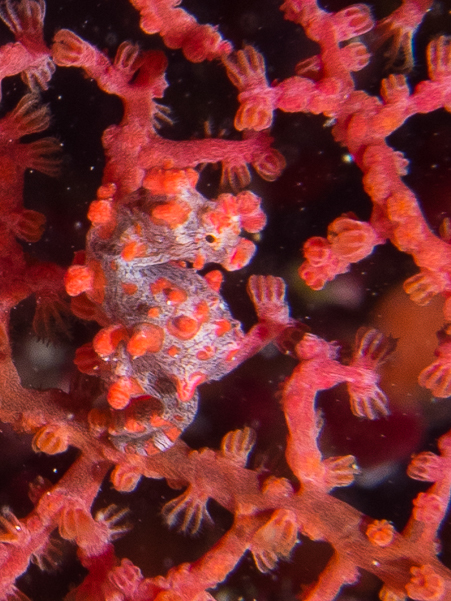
319 184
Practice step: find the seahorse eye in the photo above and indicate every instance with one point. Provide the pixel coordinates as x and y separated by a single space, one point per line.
210 239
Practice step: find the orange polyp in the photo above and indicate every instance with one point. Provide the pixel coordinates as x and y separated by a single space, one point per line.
186 325
426 584
199 261
183 327
192 176
202 312
229 207
173 351
247 202
87 360
82 306
156 421
187 387
131 425
176 296
146 339
153 312
251 216
105 342
78 279
169 181
206 353
218 220
98 421
173 433
214 279
222 327
231 355
133 249
174 181
51 440
170 213
242 254
129 288
106 191
100 212
380 533
159 285
121 391
119 395
154 181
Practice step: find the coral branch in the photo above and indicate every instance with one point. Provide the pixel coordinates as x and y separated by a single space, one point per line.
164 233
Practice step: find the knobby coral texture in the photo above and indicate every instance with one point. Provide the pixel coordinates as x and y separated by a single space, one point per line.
213 382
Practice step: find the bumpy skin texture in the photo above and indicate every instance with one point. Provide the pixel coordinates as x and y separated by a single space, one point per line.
188 227
166 328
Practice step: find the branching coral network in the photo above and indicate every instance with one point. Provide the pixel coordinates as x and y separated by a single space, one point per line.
149 283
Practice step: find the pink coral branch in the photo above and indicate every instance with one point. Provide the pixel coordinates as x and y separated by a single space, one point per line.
150 279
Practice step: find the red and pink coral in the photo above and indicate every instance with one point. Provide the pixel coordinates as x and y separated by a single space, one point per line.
154 330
